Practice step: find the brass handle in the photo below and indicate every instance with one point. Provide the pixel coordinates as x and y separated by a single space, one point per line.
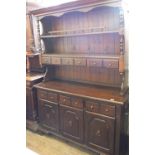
91 107
79 62
98 133
106 110
64 99
76 103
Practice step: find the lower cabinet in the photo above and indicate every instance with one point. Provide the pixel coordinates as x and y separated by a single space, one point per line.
89 123
71 123
48 114
100 132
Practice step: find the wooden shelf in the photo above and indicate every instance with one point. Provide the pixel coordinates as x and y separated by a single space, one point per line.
83 90
83 56
56 34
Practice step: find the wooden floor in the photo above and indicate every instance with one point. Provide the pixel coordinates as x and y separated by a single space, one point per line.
48 145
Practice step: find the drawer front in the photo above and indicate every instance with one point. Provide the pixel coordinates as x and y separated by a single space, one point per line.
56 60
100 108
92 106
80 62
94 62
42 94
77 103
52 97
110 63
107 110
45 60
65 100
67 61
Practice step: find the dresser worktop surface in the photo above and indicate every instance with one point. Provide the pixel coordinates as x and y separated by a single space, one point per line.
82 90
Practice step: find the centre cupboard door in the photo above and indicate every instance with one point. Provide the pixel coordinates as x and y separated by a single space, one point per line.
100 132
71 123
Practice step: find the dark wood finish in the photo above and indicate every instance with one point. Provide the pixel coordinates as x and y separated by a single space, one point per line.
83 51
101 108
100 132
48 114
53 97
88 91
71 122
56 60
31 96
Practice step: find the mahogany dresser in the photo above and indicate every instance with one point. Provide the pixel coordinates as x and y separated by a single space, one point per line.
85 91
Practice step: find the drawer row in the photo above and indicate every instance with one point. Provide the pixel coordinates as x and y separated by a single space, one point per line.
90 62
77 102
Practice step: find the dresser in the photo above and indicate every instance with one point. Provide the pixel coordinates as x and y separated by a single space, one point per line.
84 94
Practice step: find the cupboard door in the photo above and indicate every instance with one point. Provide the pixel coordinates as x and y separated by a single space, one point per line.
71 123
100 132
48 115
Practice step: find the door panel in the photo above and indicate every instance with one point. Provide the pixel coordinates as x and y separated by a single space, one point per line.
71 121
100 132
48 115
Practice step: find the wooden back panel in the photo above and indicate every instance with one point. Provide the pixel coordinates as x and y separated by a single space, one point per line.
94 75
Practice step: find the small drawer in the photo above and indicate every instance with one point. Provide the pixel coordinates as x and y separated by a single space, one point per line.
45 60
92 106
67 61
107 110
110 63
94 62
80 62
56 60
77 103
52 97
65 100
100 108
42 94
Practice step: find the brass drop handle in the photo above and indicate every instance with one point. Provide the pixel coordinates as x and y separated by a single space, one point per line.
98 133
76 103
106 110
79 62
91 107
64 99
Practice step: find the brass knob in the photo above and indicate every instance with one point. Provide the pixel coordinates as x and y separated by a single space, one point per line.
64 99
98 133
92 107
106 110
76 103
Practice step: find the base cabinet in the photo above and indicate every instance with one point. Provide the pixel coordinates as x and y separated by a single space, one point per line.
48 115
100 132
71 123
91 123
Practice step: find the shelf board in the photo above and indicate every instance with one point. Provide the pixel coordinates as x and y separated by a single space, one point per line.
77 34
83 56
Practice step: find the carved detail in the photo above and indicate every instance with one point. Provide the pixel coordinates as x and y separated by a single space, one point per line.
121 60
38 31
